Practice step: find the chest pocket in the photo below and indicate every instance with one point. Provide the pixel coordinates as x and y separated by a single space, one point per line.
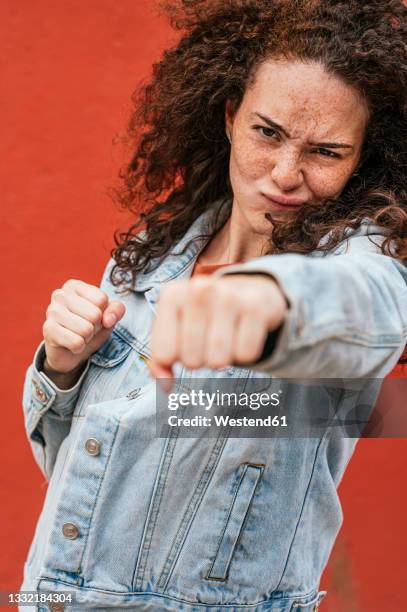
112 352
116 369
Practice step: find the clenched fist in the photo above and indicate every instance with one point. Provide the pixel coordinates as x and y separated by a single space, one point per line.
79 319
215 322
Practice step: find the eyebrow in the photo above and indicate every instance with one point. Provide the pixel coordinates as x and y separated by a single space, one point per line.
327 145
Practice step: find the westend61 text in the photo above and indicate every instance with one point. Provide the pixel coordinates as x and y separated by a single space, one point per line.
227 421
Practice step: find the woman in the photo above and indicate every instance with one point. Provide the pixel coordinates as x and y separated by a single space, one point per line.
272 138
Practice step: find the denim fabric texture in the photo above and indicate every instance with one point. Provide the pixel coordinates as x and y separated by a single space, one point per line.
210 524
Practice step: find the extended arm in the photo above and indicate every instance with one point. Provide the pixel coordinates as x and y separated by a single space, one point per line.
347 315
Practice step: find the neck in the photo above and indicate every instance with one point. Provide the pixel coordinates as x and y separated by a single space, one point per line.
235 242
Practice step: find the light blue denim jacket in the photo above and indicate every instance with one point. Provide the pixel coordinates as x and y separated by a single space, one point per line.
135 521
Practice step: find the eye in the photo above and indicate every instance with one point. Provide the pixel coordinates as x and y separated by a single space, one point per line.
268 132
327 153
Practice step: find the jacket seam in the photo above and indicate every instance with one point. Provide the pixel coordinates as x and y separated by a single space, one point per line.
301 511
117 421
285 598
153 512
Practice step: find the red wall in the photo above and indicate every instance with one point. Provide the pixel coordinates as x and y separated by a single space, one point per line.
69 70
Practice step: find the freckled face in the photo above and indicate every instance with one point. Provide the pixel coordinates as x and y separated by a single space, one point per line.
297 137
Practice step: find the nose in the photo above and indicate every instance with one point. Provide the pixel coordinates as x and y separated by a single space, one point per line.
287 172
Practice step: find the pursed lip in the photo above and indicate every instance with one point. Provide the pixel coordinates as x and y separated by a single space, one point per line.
286 202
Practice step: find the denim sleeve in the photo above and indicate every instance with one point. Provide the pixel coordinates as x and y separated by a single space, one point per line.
47 409
347 315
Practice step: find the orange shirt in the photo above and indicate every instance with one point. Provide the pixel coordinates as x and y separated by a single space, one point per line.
207 268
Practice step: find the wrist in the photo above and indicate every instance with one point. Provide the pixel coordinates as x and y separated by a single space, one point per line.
63 380
273 294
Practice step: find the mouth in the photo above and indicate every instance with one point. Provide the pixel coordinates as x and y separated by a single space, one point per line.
285 203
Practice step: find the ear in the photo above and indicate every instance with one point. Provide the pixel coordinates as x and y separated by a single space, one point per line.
229 116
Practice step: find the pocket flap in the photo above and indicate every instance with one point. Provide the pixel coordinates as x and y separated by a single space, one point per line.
250 474
112 352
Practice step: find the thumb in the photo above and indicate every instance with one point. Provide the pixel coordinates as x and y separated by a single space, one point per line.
104 328
113 313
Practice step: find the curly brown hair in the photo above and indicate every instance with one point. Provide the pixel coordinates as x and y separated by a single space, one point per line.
180 163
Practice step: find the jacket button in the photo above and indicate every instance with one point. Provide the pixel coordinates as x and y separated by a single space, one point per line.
39 392
92 446
70 531
56 606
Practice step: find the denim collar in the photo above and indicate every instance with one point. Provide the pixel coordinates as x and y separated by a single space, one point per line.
175 264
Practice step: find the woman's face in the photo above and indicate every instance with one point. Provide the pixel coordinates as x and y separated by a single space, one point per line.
296 137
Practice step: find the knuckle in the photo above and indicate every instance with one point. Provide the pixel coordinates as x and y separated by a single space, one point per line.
165 357
215 362
46 330
70 284
57 294
251 305
217 352
168 296
51 310
87 329
199 288
163 352
200 281
101 299
95 316
49 330
191 361
170 291
77 344
225 297
217 344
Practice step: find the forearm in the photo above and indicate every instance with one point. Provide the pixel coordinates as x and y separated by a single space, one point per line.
347 315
